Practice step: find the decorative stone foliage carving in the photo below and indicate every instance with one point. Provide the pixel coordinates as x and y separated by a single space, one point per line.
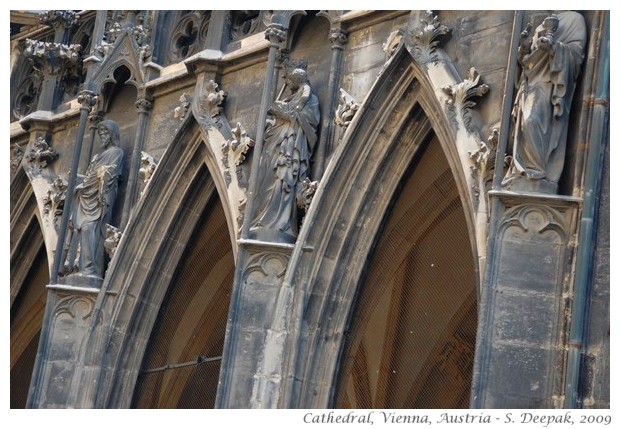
54 201
119 22
50 52
484 163
181 110
210 102
426 38
347 108
551 62
57 18
143 105
113 236
307 189
460 97
148 164
17 154
392 43
41 155
234 152
337 39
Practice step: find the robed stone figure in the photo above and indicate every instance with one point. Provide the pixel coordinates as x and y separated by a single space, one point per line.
93 204
290 137
550 62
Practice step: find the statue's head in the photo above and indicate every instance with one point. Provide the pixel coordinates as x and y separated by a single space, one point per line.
109 133
298 77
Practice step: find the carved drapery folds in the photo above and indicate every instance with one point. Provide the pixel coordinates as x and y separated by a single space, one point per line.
347 108
94 200
290 137
460 96
40 156
550 65
426 37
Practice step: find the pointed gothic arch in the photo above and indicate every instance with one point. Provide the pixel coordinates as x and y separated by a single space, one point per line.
141 271
400 113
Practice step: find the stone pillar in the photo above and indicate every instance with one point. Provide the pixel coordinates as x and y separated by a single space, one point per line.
67 318
525 303
144 106
258 275
338 38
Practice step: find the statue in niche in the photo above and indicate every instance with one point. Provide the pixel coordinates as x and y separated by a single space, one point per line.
290 136
551 62
93 204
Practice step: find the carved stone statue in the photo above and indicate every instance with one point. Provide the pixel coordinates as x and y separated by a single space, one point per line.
93 204
551 62
290 137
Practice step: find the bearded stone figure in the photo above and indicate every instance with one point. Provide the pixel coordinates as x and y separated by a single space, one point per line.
550 61
290 137
93 204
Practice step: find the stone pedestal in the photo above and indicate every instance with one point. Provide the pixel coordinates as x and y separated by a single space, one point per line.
525 303
259 274
68 313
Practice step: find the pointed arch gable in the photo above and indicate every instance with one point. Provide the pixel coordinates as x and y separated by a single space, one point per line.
402 111
141 271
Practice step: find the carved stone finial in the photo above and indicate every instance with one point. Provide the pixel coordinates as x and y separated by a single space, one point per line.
57 18
17 154
143 105
425 38
338 39
392 43
181 110
211 100
460 96
347 108
275 33
54 202
148 164
113 236
41 155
